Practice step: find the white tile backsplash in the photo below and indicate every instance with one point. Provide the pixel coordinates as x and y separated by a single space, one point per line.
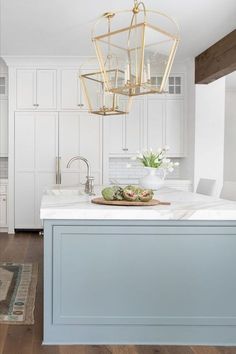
3 167
120 173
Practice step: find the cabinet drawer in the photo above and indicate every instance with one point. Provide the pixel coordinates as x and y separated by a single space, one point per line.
3 189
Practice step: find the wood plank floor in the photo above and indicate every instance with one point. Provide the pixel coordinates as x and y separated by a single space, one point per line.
16 339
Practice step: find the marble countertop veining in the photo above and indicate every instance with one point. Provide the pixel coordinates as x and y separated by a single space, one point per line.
72 204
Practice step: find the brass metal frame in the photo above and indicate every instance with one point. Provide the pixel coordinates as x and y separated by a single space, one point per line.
130 88
104 110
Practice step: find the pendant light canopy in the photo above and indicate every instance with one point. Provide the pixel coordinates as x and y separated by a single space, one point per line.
131 56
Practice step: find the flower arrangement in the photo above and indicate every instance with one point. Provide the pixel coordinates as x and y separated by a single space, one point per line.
156 160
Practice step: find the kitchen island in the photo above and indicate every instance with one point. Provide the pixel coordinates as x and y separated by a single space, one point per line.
143 275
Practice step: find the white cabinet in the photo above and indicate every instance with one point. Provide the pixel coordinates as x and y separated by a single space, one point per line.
174 127
36 89
155 122
3 127
166 124
71 96
3 205
36 149
126 131
80 135
41 138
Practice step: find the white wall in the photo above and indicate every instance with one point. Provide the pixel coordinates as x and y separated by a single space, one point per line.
209 133
230 129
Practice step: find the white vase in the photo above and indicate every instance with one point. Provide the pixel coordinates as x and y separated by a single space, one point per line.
154 178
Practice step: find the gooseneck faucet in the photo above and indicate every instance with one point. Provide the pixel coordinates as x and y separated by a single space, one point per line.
89 184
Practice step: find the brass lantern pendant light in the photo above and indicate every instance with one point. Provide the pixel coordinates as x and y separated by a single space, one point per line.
99 100
136 53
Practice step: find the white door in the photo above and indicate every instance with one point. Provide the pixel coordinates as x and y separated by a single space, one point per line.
69 89
71 95
26 89
155 122
91 145
36 149
69 133
3 127
80 135
115 134
46 89
174 127
134 127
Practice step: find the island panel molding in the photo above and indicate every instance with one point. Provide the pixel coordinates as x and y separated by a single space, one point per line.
216 61
170 288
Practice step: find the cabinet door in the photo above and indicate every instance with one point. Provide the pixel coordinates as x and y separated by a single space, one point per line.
155 122
69 127
116 134
80 135
70 92
3 127
126 131
36 149
91 145
3 210
134 127
174 127
46 89
26 89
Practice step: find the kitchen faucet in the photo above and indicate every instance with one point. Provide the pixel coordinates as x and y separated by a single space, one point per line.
89 184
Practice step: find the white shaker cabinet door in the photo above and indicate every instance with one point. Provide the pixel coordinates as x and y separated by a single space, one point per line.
36 149
155 122
91 145
134 127
46 89
69 126
26 89
70 90
125 132
174 127
80 135
3 127
116 134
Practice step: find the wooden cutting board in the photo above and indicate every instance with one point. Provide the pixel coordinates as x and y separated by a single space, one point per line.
127 203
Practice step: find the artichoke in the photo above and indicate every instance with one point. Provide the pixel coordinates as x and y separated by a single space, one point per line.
145 195
130 193
112 193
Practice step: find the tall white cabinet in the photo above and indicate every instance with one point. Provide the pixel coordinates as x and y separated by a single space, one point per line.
44 143
36 150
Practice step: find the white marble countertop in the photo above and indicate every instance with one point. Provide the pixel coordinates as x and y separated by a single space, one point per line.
69 203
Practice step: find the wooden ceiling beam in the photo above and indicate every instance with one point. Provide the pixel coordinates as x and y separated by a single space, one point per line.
217 61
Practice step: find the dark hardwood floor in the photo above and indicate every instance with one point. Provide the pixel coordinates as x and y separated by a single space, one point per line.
17 339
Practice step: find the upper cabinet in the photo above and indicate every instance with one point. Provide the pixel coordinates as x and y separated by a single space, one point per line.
71 96
126 131
153 122
36 89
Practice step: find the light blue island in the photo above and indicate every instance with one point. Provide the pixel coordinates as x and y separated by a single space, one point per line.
143 275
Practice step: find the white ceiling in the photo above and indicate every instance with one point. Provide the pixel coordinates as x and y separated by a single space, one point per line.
62 27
